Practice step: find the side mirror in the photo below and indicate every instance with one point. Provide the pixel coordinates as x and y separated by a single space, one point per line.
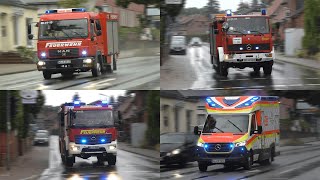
196 130
99 33
30 36
225 26
259 129
92 38
216 31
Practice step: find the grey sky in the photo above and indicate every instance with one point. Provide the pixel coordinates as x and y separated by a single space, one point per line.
58 97
224 4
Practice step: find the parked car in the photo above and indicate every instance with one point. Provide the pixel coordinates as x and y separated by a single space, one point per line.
41 137
195 41
177 148
178 45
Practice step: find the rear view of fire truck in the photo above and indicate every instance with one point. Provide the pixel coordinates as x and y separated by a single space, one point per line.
73 40
88 131
241 41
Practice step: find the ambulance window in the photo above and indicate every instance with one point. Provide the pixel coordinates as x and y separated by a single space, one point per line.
98 25
253 123
92 29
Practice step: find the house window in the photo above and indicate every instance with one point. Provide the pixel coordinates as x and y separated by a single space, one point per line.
299 4
28 21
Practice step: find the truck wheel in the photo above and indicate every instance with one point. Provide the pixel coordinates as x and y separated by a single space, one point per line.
269 160
101 160
249 162
267 69
112 160
202 166
96 70
70 161
216 66
256 70
46 75
223 70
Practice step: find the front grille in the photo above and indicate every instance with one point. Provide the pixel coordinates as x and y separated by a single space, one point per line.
74 52
93 139
237 47
218 147
93 150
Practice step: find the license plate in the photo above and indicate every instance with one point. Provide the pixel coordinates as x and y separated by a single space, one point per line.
218 161
94 147
64 62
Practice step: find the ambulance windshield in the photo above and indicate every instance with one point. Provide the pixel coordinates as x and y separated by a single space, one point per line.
226 124
248 25
92 118
63 29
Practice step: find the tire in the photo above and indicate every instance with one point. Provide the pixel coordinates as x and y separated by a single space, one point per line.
202 166
269 160
96 70
46 75
223 70
112 160
256 70
249 162
267 69
69 161
101 160
217 66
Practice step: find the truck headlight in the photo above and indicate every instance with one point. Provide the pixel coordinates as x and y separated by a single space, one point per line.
176 151
228 56
112 147
41 63
87 61
200 144
84 52
242 143
75 148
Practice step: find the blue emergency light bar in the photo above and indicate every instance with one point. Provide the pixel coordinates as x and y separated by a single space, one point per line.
229 12
104 103
53 11
263 11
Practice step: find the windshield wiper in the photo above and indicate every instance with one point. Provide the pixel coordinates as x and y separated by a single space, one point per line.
66 34
77 33
238 32
218 129
235 126
257 32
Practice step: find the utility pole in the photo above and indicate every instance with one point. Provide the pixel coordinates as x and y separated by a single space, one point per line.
8 103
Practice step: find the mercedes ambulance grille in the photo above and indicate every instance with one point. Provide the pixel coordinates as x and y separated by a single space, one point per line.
218 147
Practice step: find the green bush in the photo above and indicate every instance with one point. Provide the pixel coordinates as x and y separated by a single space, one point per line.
129 32
155 34
27 53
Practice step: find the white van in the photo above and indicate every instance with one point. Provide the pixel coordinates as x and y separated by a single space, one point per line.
178 45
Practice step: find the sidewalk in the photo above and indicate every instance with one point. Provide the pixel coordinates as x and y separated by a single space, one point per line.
7 69
29 166
143 152
311 63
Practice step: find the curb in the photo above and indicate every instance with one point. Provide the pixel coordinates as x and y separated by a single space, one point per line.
9 73
134 152
296 63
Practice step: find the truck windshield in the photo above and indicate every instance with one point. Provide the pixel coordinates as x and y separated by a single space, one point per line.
226 124
92 119
248 25
63 29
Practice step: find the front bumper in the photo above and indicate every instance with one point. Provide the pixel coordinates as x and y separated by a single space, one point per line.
63 65
237 156
85 149
41 140
248 57
172 159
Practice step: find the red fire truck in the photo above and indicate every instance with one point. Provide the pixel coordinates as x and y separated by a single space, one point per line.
241 41
73 40
86 131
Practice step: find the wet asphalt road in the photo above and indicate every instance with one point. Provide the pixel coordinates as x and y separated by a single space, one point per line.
194 71
133 74
129 166
295 162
